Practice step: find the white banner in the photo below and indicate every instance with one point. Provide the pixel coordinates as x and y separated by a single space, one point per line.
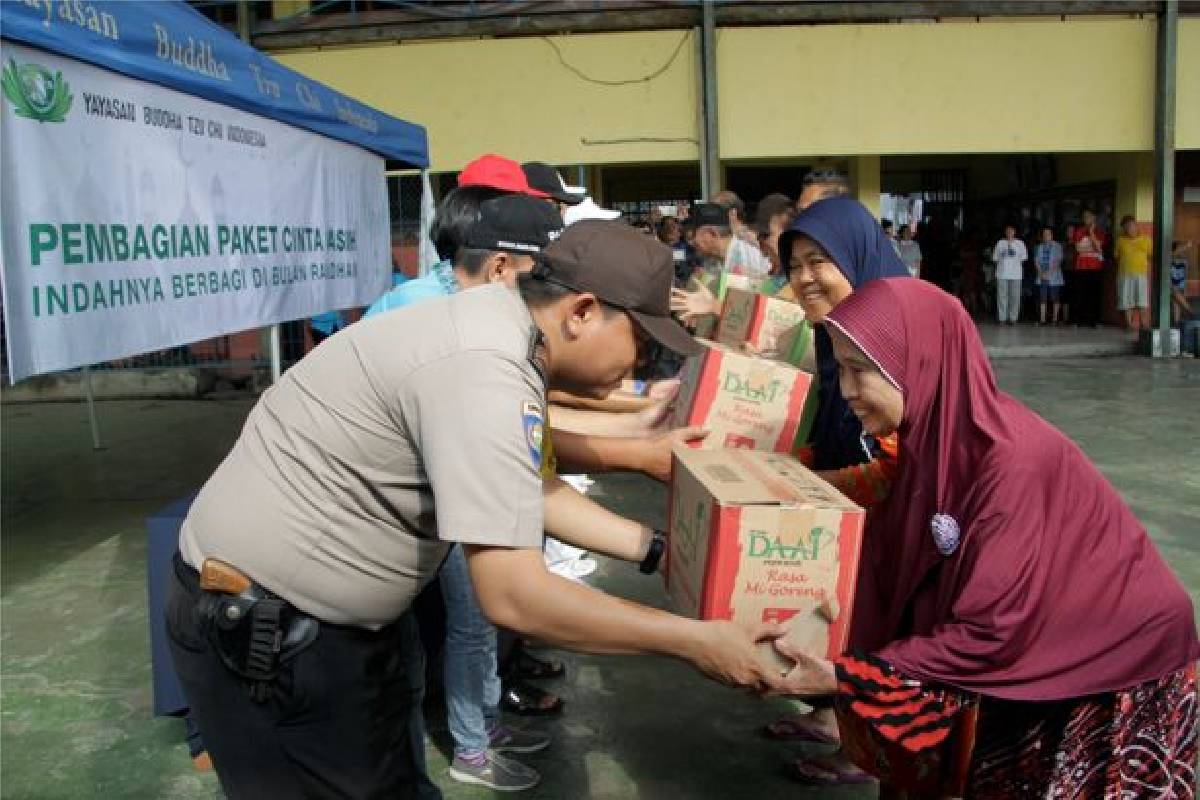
137 218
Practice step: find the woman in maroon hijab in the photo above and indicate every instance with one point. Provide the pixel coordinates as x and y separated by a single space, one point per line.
1002 575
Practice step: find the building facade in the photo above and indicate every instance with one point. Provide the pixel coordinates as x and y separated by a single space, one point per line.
984 117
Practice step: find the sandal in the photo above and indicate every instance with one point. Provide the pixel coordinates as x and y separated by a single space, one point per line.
833 771
800 728
528 700
527 667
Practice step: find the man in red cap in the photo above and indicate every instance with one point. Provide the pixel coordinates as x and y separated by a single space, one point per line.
498 172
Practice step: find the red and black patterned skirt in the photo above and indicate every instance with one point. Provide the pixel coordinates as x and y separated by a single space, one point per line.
1139 743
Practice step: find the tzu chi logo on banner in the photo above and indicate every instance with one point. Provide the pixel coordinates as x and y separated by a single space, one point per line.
35 93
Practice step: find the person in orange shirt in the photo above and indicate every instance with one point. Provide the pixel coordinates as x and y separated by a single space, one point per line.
1132 252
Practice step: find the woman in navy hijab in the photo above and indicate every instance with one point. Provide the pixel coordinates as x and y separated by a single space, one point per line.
832 248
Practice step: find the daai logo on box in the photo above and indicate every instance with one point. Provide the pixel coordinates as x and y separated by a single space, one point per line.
780 315
750 388
35 93
775 548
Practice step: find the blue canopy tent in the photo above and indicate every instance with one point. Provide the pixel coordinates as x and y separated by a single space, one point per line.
168 43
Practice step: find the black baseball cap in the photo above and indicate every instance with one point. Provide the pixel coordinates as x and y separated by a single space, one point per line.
708 214
545 178
624 268
516 224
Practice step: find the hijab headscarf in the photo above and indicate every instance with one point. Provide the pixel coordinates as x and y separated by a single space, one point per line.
1002 562
844 229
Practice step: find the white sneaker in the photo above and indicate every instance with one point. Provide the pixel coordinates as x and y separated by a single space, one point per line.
583 567
581 483
555 551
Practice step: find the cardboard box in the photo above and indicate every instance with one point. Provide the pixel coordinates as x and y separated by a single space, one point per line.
747 402
719 284
761 321
757 537
797 347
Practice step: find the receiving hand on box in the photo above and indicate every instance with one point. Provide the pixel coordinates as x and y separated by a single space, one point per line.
659 450
694 305
656 418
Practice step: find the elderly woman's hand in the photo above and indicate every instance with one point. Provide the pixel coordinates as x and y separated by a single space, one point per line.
811 677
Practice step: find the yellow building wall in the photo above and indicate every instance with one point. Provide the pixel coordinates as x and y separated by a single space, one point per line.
783 92
990 87
282 9
1187 85
516 97
1135 186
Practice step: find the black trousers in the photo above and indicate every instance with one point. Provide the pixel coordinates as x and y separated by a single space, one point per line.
1087 293
335 725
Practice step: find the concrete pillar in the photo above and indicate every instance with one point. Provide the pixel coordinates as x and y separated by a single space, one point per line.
712 179
864 177
595 183
1166 56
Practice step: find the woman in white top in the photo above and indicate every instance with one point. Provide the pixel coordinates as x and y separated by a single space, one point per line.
910 251
1009 254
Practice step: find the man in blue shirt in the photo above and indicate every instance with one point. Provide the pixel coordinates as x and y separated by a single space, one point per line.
1180 307
438 283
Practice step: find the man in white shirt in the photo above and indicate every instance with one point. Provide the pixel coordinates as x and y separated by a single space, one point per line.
1009 254
910 251
715 240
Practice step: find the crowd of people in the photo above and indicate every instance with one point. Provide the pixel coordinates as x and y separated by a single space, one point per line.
1061 281
426 442
1053 278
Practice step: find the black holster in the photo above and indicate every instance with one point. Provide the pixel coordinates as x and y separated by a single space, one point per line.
254 632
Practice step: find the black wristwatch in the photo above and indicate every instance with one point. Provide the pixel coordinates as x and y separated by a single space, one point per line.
658 546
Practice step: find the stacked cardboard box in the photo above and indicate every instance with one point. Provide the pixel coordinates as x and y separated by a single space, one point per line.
775 328
757 537
746 402
720 285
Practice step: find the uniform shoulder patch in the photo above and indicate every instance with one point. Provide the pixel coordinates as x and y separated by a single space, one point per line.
533 420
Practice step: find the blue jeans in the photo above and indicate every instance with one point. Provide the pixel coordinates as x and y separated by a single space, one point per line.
472 685
414 670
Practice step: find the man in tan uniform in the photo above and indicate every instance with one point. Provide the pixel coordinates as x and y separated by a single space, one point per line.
352 476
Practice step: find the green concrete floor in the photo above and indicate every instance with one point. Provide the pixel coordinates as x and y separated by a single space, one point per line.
74 675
